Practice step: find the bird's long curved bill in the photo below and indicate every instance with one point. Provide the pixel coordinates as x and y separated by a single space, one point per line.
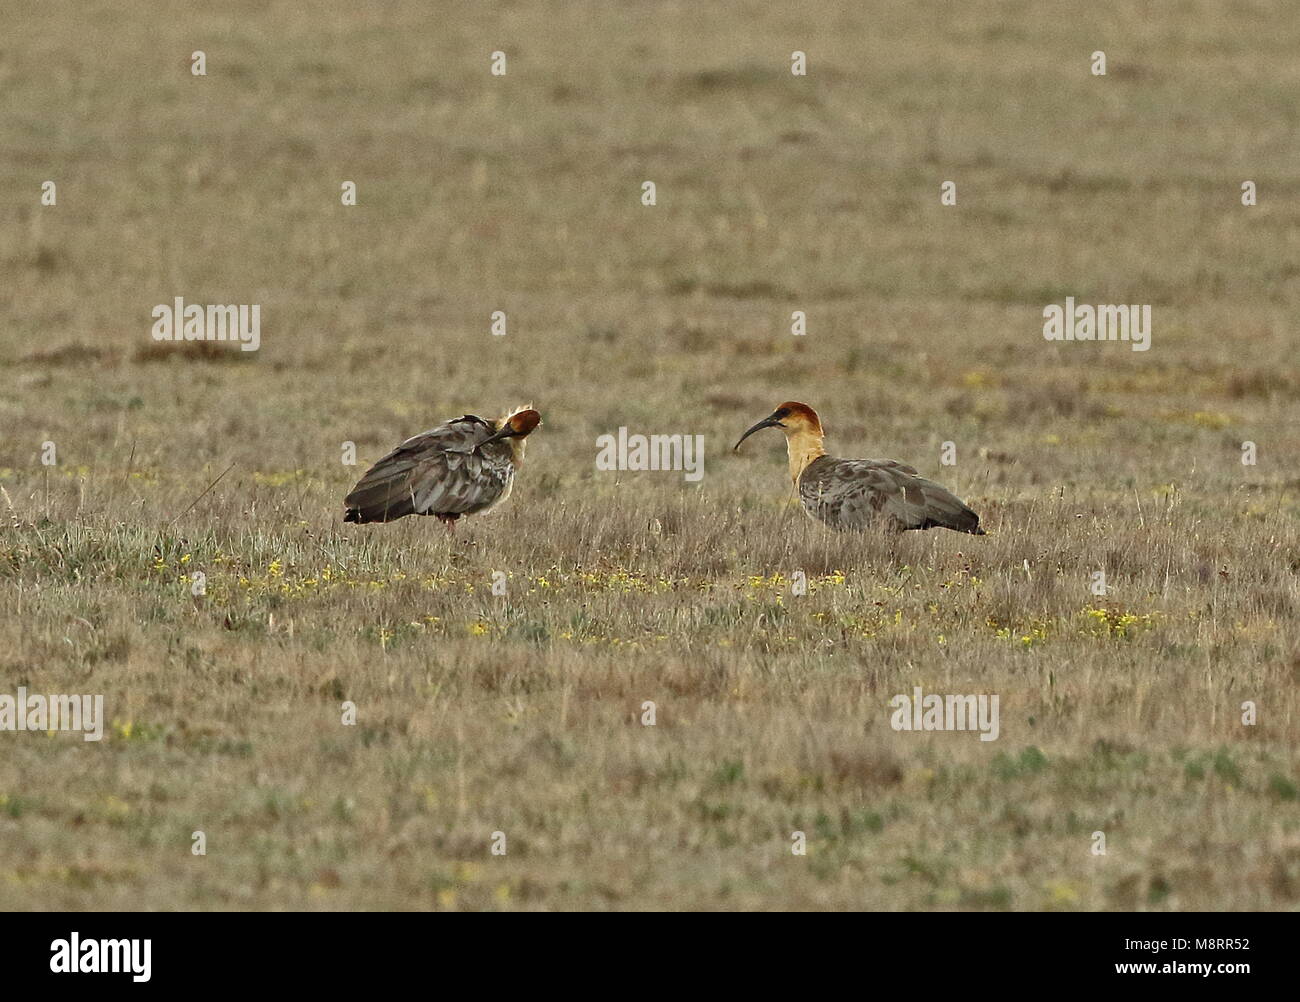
505 432
765 423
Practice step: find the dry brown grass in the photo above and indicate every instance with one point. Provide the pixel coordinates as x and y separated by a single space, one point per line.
478 714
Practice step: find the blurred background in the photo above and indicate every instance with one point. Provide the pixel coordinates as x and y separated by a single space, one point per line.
776 193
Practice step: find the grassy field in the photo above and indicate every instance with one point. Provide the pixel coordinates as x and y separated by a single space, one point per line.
522 714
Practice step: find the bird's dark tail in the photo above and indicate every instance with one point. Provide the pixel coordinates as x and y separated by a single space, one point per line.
380 511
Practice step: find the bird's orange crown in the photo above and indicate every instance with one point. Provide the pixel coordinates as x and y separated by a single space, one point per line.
799 417
523 420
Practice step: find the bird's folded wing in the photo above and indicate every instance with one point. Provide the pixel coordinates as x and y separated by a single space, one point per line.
852 493
936 506
436 471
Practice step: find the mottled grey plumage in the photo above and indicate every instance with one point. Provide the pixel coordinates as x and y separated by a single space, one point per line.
858 493
446 471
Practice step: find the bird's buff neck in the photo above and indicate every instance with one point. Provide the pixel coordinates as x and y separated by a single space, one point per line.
803 447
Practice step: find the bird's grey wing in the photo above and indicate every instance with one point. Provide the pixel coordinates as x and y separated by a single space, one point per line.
846 494
890 464
853 494
937 506
437 471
